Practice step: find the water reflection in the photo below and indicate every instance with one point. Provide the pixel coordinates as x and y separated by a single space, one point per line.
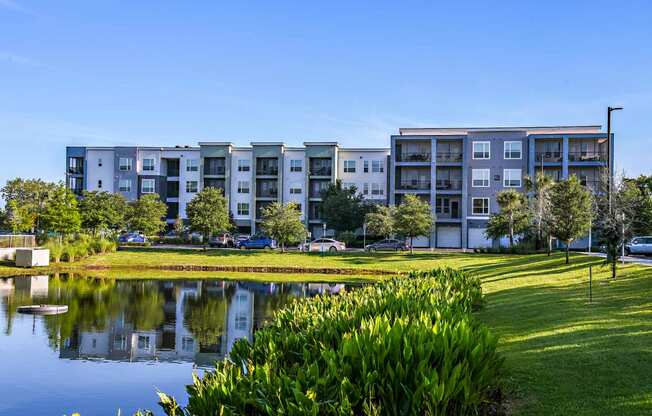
150 320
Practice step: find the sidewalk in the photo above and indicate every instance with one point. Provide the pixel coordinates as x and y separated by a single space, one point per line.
645 261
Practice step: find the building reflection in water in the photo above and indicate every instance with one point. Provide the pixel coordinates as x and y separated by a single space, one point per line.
152 320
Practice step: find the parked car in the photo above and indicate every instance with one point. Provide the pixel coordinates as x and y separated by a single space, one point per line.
323 244
256 241
394 245
133 237
639 245
223 240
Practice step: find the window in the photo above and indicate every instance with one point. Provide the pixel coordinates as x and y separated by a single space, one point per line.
148 164
480 206
513 150
125 163
99 162
365 189
243 165
187 344
512 178
192 165
125 185
120 342
377 166
366 166
296 165
143 342
295 189
240 322
191 187
481 150
147 186
99 183
348 185
376 189
480 178
243 208
349 166
442 206
243 187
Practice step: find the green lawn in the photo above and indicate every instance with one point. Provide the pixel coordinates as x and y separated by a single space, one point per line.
563 356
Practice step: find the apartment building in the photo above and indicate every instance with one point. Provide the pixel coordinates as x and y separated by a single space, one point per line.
251 177
459 171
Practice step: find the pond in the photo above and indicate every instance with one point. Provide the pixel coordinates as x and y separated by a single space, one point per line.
121 340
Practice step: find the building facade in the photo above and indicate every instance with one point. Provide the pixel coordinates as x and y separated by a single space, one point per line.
251 177
458 171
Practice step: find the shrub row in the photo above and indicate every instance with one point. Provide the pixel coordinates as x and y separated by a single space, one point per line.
403 346
82 246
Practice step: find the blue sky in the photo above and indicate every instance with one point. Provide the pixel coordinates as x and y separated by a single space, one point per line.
166 73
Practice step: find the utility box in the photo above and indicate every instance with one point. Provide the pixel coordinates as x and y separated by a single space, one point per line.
32 257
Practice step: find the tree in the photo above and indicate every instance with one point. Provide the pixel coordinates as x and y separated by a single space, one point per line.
380 221
570 211
178 225
641 192
102 211
19 218
342 207
539 204
412 218
147 214
61 213
614 222
513 217
282 222
207 213
31 195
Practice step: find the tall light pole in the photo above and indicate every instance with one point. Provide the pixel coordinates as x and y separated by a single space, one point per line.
611 152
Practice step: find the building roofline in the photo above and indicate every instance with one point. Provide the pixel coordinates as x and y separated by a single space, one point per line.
215 143
365 149
320 143
267 144
434 131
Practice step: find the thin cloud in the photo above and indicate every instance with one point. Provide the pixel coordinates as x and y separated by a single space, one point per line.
11 5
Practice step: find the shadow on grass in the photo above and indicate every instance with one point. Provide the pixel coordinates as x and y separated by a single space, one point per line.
572 357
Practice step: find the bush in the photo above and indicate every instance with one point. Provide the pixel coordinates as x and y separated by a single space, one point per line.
403 346
56 250
347 237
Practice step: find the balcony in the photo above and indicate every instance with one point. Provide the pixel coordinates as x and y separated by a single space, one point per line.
413 157
552 156
214 166
267 193
323 171
449 156
449 184
414 184
587 156
172 167
76 170
214 183
172 189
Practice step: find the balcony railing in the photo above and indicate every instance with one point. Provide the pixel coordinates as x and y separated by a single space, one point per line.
414 184
267 171
448 215
76 170
449 184
449 156
214 170
548 156
413 157
267 193
587 156
321 171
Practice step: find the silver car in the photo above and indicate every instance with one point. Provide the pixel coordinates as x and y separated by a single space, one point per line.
639 245
323 244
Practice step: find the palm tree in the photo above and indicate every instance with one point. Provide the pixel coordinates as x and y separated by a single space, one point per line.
511 204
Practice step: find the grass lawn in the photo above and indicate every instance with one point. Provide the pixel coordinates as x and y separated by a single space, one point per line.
563 356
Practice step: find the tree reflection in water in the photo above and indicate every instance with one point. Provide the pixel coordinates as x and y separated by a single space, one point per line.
127 320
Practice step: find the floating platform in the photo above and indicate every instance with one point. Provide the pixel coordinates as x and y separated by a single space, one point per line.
43 309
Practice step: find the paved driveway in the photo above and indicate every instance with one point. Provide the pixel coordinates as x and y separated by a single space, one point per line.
645 261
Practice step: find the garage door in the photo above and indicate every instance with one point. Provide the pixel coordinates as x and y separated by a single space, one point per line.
477 238
449 236
420 241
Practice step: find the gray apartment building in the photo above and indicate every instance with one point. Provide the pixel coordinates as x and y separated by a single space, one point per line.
458 171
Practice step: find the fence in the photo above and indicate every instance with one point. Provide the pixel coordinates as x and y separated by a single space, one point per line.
13 241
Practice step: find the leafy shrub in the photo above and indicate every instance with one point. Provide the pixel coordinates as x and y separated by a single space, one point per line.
403 346
347 237
56 250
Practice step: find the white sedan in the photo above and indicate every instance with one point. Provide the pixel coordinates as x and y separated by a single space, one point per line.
323 244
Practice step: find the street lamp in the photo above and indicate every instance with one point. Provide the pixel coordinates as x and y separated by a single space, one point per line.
611 151
323 235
